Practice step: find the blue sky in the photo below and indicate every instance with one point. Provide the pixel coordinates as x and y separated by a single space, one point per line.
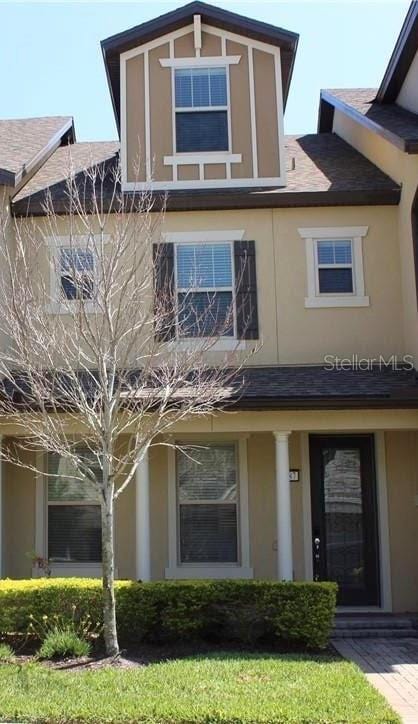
52 63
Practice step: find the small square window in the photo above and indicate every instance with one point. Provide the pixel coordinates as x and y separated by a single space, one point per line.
334 266
334 261
76 273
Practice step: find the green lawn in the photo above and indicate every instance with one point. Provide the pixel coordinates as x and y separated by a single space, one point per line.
223 687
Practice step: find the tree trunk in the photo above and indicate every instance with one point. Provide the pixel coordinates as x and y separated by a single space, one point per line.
108 562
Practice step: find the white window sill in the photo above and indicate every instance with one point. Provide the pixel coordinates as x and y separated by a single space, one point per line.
70 307
221 345
71 570
329 301
191 572
188 159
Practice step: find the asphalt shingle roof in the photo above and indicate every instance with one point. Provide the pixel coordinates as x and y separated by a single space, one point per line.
389 116
316 164
21 139
293 385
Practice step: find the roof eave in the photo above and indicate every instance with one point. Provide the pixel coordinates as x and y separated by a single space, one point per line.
325 122
403 53
325 403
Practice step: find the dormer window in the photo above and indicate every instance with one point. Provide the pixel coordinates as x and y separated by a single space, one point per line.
201 109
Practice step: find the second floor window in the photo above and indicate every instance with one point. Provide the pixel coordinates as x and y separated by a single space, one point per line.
201 108
76 273
335 267
204 289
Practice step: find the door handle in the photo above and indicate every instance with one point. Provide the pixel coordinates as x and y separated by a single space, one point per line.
317 557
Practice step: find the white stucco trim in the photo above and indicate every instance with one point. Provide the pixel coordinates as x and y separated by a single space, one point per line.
253 119
204 184
190 159
205 62
177 237
227 570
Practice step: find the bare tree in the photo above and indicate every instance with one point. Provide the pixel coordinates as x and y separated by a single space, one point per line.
88 351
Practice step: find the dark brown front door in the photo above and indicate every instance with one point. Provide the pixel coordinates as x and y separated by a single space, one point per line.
344 516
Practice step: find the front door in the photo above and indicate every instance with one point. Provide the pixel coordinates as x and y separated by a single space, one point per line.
344 516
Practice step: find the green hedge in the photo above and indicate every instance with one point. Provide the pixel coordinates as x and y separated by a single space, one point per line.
242 611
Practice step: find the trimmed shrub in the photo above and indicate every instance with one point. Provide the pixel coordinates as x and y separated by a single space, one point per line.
61 643
6 654
228 610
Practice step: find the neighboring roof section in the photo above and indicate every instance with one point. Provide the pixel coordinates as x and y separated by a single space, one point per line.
322 170
401 58
115 45
25 142
53 175
395 124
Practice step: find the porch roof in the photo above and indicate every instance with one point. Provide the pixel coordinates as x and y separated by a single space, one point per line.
315 386
282 387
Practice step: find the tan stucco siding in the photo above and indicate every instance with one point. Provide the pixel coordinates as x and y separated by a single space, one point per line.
402 484
240 111
289 332
408 95
135 119
188 172
266 115
240 120
403 168
161 126
184 46
306 335
18 518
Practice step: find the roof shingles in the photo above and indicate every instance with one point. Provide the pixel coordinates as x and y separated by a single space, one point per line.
22 139
321 169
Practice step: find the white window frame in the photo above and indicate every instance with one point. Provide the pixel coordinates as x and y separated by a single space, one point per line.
316 299
60 568
223 344
242 569
59 304
201 157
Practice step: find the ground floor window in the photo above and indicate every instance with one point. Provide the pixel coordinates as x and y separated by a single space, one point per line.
73 515
207 501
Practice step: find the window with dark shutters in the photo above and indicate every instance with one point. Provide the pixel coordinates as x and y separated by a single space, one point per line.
205 278
246 290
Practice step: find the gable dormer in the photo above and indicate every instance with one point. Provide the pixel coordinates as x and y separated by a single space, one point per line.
199 95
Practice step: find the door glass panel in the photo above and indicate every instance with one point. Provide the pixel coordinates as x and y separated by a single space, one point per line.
343 509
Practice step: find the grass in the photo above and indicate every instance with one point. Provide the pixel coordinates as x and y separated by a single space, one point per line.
235 688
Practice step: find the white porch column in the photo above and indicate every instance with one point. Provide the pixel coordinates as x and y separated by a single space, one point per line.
143 546
283 508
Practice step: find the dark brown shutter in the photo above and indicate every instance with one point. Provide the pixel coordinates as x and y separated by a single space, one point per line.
164 301
246 290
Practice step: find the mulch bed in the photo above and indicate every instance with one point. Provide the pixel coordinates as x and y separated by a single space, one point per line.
146 654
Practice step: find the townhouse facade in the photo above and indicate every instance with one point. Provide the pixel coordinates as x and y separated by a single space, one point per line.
315 474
